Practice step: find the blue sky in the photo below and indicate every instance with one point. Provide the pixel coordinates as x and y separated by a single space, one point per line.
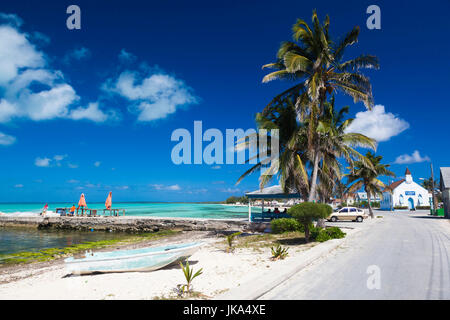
93 110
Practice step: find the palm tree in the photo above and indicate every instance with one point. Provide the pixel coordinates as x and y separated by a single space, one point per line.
292 159
315 62
366 177
333 140
333 143
428 184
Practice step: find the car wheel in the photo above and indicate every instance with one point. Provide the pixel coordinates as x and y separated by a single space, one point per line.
333 219
359 219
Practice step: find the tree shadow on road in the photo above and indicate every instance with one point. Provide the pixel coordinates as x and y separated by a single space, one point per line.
428 217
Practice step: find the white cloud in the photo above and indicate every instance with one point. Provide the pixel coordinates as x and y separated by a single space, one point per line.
92 112
59 157
6 140
21 66
97 163
78 54
18 185
231 190
57 160
10 18
72 181
42 162
415 157
126 57
153 94
378 124
174 187
216 167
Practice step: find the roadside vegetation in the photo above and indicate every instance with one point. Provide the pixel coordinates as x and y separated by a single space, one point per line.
233 200
57 253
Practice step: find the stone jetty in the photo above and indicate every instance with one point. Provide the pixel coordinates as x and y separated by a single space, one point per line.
131 224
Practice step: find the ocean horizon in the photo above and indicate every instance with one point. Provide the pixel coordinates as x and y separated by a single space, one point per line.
145 209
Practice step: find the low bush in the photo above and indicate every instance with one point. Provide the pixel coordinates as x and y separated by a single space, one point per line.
322 235
285 225
335 233
400 207
423 207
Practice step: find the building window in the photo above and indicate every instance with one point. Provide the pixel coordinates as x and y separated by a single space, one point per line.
420 199
401 200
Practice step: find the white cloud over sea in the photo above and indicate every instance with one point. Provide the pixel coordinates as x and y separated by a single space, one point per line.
151 93
31 88
5 139
378 124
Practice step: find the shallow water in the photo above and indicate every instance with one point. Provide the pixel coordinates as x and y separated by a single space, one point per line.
17 240
14 240
186 210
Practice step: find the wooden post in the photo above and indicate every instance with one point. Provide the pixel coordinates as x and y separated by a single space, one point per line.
249 210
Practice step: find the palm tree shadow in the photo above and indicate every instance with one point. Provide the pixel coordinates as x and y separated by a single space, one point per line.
176 265
427 217
291 242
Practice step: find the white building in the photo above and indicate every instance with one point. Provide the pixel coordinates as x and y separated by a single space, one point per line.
405 193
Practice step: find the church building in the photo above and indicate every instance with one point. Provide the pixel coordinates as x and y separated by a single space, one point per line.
405 193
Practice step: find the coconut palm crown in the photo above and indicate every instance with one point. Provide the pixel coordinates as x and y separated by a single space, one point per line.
366 177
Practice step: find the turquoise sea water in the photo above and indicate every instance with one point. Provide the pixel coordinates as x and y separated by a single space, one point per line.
146 209
14 240
17 240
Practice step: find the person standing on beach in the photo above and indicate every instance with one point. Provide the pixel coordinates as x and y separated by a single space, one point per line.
72 210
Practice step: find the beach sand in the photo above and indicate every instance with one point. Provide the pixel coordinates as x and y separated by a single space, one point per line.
221 271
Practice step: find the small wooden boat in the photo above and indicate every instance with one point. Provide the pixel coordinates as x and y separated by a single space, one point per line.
143 259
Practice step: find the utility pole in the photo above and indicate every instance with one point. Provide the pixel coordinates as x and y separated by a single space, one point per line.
432 190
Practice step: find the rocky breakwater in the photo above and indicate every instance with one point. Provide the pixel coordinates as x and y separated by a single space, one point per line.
131 224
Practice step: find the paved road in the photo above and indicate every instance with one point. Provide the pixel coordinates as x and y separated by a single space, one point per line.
408 253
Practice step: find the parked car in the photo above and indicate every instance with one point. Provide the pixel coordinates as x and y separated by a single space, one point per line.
348 213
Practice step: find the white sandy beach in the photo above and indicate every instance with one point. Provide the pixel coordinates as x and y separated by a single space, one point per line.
221 271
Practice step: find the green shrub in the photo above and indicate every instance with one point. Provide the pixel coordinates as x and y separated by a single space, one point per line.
306 212
322 235
400 207
314 233
327 210
423 207
285 225
335 233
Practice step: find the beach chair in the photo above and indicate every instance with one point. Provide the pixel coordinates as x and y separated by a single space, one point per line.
92 213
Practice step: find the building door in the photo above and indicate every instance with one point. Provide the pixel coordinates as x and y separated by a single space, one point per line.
411 204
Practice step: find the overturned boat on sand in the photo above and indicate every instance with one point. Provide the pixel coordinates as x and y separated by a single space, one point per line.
143 259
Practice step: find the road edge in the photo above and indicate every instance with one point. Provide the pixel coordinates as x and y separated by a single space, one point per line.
261 285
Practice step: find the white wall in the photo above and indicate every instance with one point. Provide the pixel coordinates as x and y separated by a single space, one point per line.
421 196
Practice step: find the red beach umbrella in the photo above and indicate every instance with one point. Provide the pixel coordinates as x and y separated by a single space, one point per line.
82 202
108 202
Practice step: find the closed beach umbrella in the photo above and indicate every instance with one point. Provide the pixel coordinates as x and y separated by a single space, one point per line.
108 202
82 202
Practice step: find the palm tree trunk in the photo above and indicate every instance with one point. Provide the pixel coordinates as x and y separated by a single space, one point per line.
312 190
370 206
